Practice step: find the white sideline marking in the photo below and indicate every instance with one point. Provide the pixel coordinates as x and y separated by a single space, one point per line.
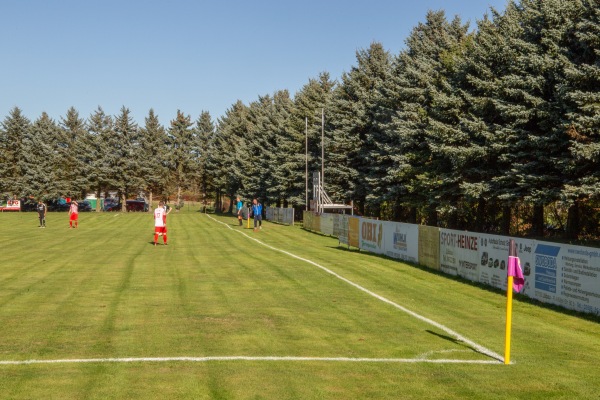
425 356
241 358
456 335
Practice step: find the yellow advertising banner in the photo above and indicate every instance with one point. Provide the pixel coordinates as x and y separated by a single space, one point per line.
316 223
353 231
429 246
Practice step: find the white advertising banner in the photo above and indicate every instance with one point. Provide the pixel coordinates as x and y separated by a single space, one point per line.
327 224
336 225
393 239
459 253
554 273
11 205
371 235
342 228
493 256
568 275
401 241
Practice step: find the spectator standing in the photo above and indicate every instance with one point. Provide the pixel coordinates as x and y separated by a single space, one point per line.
41 209
239 206
257 213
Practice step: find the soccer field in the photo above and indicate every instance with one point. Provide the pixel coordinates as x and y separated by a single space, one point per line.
223 312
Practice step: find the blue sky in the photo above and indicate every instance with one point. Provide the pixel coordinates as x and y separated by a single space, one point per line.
189 55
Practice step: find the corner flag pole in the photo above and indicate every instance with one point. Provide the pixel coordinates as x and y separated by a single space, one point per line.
508 329
513 271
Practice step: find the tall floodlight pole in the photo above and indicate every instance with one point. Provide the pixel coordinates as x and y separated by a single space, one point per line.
306 163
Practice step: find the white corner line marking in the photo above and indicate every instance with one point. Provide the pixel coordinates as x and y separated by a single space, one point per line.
456 335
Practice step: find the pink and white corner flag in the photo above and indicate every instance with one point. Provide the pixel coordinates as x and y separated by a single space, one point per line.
514 267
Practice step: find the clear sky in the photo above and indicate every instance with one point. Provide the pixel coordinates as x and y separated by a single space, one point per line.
191 55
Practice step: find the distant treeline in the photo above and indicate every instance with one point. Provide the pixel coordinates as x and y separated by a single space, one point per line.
494 129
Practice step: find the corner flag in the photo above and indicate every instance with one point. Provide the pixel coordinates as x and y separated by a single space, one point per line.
514 267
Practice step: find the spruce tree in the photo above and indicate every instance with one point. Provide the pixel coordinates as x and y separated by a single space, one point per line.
13 169
204 135
73 146
443 134
357 164
415 87
41 172
126 156
532 104
259 150
580 96
305 121
477 159
181 141
154 161
229 156
103 162
287 157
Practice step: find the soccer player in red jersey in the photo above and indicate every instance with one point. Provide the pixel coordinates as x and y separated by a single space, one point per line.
73 214
160 223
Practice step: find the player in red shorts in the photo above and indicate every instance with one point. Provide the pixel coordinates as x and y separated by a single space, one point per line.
160 223
73 214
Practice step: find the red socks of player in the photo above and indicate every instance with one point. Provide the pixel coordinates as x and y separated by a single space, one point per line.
156 239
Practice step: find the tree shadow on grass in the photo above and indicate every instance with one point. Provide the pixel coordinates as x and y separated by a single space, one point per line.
445 337
455 341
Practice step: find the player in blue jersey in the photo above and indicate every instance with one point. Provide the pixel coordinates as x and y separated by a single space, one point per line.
257 213
239 206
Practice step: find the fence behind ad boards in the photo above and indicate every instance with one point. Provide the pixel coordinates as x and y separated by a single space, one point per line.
280 215
340 228
307 219
560 274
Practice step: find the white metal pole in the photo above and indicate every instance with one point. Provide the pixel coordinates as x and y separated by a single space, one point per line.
306 162
323 148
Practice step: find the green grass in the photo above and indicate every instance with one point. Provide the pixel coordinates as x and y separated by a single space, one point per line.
104 291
